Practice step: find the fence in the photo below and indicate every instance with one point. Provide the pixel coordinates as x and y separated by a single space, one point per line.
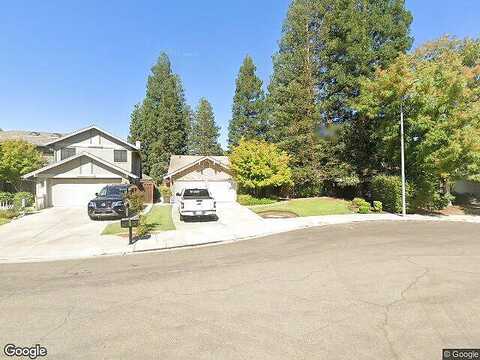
5 205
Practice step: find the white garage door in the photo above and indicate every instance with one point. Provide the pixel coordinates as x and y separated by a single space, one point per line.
76 192
220 190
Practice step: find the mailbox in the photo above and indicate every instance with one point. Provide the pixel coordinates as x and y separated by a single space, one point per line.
129 222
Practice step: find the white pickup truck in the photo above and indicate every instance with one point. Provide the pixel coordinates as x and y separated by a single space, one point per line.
196 202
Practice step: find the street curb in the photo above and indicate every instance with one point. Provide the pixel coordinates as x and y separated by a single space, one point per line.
130 249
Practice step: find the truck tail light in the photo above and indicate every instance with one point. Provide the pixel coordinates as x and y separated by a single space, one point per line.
214 204
182 205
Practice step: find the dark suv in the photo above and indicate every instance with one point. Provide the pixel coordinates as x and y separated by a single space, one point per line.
109 202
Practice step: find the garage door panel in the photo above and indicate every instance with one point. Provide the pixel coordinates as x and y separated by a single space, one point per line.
220 190
76 192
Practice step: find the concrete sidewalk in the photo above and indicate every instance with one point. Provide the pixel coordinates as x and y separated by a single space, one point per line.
57 235
263 227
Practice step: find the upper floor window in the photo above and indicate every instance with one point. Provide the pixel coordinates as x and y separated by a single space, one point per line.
66 153
120 155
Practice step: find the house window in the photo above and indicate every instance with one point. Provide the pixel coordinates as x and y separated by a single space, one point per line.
120 155
66 153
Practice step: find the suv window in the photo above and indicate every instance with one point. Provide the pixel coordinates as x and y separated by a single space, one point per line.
114 191
196 193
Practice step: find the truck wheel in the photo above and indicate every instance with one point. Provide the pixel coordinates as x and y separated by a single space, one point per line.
182 218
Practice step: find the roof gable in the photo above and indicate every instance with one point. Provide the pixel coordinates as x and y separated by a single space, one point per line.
93 127
91 156
180 163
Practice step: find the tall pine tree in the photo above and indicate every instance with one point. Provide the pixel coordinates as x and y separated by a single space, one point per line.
204 133
327 47
248 110
292 98
161 121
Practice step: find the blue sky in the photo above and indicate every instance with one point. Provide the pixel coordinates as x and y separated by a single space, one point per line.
67 64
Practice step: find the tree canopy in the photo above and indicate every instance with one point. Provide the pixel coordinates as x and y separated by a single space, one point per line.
204 132
248 110
160 122
259 166
18 158
327 46
439 88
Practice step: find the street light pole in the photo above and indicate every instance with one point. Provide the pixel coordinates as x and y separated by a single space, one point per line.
402 149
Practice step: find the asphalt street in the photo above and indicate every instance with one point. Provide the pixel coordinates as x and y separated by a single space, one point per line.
380 290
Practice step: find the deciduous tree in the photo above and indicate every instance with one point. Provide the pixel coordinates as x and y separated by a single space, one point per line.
259 166
439 88
18 158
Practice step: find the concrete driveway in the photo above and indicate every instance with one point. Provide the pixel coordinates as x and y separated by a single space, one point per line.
230 214
382 290
56 233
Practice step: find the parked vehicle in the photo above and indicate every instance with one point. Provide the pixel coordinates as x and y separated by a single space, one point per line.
109 202
196 203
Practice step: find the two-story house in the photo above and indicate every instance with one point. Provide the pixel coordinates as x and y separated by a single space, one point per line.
83 162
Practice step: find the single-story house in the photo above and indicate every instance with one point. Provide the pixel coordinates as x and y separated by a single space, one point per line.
84 161
212 172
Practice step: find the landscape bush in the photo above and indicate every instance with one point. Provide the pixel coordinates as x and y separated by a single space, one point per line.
166 193
361 205
388 190
20 196
135 200
249 200
8 214
143 228
6 197
377 206
364 209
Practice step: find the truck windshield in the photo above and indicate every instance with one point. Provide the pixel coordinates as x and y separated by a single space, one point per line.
196 194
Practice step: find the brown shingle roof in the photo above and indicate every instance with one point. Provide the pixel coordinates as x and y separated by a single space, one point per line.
39 138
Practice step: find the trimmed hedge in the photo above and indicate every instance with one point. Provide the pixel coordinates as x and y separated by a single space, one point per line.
388 190
248 200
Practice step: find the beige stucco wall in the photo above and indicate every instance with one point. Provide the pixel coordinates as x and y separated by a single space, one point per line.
205 171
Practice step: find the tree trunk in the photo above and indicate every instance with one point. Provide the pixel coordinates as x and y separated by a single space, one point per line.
446 191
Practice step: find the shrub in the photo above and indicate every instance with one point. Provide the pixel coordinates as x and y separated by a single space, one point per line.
428 195
248 200
20 196
8 214
166 193
135 200
6 197
364 209
388 190
377 206
143 228
359 202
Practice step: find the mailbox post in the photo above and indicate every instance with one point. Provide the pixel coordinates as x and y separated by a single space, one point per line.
129 223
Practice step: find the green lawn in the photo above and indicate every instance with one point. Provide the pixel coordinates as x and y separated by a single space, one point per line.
4 221
308 207
159 219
